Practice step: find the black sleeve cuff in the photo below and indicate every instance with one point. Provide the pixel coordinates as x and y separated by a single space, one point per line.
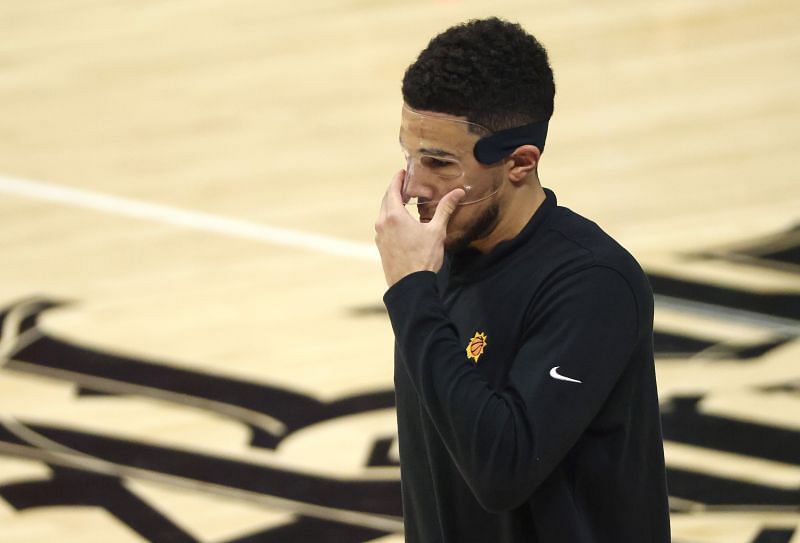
408 288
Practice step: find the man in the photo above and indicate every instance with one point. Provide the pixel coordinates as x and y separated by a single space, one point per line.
526 394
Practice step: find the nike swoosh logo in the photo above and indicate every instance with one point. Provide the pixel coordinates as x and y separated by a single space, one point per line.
555 375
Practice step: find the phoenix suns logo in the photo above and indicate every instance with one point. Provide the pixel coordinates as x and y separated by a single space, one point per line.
476 346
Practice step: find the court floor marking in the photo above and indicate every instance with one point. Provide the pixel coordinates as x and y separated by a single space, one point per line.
36 446
783 327
194 220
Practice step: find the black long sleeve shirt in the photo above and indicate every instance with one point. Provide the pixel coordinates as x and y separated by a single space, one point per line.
526 395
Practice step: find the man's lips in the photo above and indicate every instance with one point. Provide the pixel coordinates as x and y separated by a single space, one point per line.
425 212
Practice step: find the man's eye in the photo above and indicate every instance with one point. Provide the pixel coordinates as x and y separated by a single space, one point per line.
431 162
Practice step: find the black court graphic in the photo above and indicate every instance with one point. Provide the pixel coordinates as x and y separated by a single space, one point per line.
89 469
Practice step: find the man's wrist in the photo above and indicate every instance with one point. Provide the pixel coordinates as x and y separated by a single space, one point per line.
398 275
409 282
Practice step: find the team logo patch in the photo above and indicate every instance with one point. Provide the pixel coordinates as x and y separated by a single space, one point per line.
476 346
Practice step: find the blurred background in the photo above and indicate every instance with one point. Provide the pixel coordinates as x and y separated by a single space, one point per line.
193 345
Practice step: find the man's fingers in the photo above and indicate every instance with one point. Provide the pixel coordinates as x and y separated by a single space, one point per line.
446 207
395 192
392 199
382 212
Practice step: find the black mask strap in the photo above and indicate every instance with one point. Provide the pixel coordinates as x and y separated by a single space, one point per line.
499 145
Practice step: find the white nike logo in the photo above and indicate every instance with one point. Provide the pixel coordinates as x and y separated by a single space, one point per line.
555 375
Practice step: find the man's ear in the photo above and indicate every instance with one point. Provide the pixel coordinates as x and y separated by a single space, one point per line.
524 160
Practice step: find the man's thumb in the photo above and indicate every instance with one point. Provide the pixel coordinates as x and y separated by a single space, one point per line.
447 206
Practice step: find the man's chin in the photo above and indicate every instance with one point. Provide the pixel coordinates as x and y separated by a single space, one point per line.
480 228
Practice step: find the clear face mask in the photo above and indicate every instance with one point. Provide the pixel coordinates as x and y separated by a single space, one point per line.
438 158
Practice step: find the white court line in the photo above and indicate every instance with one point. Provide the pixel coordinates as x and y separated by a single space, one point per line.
196 220
183 218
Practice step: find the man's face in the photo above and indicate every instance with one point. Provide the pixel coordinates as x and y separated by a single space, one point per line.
438 151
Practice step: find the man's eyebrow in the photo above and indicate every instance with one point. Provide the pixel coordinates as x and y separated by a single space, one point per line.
432 151
437 152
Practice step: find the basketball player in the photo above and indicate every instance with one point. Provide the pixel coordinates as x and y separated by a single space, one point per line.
526 394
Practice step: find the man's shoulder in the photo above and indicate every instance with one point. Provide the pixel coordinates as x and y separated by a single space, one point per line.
571 243
568 231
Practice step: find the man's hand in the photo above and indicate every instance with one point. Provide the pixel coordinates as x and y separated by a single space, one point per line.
406 245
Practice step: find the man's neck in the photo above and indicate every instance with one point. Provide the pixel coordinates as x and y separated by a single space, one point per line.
518 212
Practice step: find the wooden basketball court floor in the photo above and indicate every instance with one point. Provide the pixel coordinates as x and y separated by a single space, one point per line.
193 341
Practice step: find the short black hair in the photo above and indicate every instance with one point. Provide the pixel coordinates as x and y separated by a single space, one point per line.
490 71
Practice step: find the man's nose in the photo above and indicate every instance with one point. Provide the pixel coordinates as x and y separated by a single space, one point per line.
416 183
